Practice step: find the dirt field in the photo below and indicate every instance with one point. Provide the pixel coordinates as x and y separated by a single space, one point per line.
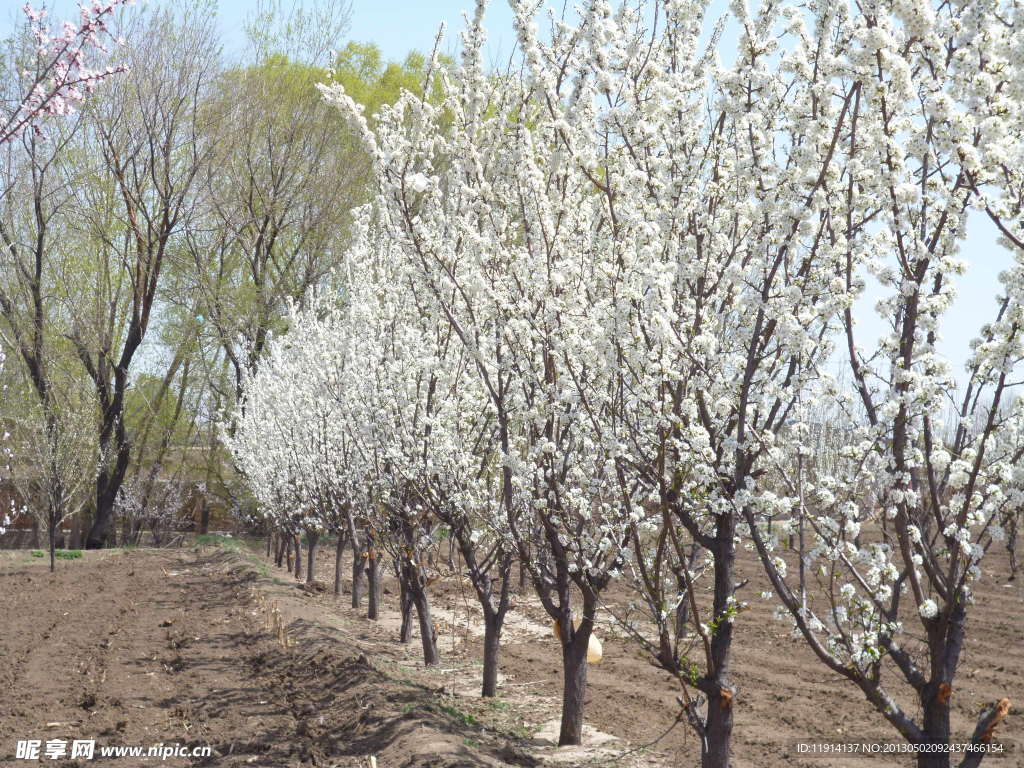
147 647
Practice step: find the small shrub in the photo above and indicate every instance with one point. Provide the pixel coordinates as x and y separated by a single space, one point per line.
68 554
37 553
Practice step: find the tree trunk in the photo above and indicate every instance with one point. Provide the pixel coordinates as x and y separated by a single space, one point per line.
204 517
288 552
339 551
574 686
313 537
270 542
428 635
373 570
298 556
718 726
492 640
936 697
715 751
405 605
53 546
109 481
935 726
358 573
1011 544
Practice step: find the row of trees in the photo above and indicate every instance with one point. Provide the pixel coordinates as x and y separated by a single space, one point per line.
594 320
152 236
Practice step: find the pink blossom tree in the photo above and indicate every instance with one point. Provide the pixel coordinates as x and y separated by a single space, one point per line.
63 74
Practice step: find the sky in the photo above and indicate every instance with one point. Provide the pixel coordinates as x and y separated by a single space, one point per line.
398 26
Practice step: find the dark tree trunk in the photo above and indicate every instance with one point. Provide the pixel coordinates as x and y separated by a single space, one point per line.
204 517
493 610
288 552
717 743
339 551
358 573
109 481
719 731
944 648
373 573
298 557
405 606
53 547
313 537
574 685
1011 544
492 640
428 634
935 727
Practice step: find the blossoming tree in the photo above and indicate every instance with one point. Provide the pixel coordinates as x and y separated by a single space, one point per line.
599 297
62 74
892 539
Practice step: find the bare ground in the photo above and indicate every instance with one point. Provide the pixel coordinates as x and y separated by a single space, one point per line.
143 647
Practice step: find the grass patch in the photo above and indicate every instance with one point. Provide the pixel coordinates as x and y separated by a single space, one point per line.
224 542
61 554
463 717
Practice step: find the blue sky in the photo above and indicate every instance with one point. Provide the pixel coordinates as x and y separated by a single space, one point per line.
398 26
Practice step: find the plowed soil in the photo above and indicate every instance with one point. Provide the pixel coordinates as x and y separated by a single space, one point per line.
181 647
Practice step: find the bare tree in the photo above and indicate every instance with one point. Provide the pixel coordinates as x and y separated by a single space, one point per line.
283 179
153 144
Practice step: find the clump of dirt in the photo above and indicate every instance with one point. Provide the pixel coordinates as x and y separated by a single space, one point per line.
345 706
